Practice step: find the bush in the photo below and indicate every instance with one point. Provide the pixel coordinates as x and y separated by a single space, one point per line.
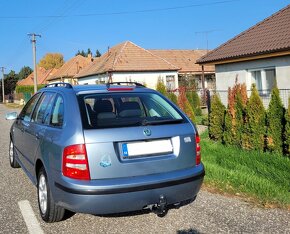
287 129
184 104
216 118
228 134
234 118
204 120
275 120
254 128
239 119
172 97
194 101
27 88
160 87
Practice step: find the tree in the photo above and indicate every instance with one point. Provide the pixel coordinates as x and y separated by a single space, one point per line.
89 52
216 118
98 54
160 87
78 53
86 54
194 101
24 72
10 81
287 129
172 97
275 120
51 60
184 104
234 118
254 128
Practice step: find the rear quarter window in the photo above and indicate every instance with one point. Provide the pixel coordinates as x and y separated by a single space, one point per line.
57 113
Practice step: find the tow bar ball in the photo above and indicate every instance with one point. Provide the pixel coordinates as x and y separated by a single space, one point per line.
160 208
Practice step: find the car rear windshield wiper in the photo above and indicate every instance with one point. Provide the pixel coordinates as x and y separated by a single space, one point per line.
164 121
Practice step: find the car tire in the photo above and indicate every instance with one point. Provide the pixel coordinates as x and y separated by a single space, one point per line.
49 211
12 160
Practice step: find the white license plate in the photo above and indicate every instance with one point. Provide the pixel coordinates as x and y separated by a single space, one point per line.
147 148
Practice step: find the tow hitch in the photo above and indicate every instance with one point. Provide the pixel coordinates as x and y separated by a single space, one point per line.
160 208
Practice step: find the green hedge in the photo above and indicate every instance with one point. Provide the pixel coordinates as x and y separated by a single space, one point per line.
247 125
27 88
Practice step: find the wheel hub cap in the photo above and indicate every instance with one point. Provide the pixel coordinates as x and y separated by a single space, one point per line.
42 193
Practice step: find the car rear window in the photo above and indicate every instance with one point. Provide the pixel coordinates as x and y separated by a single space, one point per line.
126 109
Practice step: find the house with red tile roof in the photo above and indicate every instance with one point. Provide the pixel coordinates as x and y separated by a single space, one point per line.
129 62
43 76
69 69
259 55
190 73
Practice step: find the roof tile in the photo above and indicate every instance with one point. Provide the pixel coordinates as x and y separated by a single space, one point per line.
127 57
42 76
72 67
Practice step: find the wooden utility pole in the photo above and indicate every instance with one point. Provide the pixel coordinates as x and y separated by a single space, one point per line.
33 41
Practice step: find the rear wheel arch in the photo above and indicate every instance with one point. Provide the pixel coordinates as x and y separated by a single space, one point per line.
38 166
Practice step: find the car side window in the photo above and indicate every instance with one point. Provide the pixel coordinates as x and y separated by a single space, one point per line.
42 109
28 108
57 113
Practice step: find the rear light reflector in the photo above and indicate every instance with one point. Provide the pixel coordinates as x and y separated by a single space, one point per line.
197 150
75 162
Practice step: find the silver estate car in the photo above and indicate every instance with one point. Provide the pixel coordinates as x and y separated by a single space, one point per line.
103 149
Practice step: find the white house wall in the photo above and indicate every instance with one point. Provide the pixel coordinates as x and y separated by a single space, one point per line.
150 78
226 74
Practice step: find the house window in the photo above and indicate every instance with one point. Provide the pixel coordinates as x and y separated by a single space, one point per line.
170 82
264 79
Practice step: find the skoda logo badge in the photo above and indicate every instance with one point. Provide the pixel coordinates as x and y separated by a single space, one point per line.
147 132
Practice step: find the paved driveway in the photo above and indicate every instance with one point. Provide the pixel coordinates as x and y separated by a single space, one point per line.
210 213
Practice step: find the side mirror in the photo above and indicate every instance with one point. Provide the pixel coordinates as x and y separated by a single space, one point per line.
11 116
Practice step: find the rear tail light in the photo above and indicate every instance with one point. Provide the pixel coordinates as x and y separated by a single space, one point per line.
198 150
75 162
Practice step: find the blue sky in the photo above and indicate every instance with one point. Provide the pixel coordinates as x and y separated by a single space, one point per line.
67 26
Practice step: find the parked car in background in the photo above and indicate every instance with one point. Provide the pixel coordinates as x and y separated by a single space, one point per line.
106 149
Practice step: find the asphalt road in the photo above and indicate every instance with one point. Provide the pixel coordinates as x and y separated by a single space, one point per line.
210 213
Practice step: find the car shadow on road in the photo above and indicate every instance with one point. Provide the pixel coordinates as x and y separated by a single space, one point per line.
68 214
126 214
189 231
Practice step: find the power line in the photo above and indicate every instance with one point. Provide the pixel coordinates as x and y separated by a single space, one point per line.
69 6
120 12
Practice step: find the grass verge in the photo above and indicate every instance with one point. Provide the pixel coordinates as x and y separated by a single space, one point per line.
262 177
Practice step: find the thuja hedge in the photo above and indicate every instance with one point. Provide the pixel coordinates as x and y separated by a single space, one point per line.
287 129
254 123
246 124
181 100
216 117
27 88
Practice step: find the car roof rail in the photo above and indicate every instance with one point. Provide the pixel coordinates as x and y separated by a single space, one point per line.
59 84
125 82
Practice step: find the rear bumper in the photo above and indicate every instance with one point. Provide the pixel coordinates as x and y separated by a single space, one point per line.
108 196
